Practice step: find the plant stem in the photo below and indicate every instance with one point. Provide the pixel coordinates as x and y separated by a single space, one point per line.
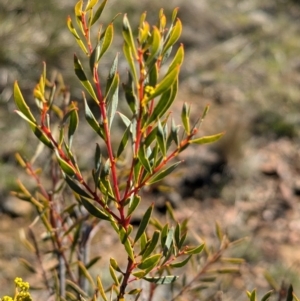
124 284
211 261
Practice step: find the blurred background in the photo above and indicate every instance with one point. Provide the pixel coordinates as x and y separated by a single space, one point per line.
243 58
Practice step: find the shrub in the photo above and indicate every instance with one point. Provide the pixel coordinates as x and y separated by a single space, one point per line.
72 205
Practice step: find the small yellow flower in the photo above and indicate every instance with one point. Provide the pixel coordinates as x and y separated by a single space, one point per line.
7 298
149 90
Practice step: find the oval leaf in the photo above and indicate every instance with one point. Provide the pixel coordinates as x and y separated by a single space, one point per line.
150 262
174 36
98 12
21 104
83 79
163 174
92 209
180 264
144 223
162 280
207 139
195 250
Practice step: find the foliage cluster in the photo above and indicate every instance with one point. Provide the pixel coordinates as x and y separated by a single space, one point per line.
71 208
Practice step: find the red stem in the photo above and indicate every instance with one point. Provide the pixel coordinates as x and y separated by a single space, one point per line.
102 107
162 164
139 122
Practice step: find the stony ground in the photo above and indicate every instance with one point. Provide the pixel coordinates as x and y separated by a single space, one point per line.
243 58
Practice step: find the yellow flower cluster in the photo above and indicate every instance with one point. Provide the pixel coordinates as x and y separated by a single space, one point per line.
22 292
149 90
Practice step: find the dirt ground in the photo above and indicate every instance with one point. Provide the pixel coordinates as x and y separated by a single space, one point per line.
242 57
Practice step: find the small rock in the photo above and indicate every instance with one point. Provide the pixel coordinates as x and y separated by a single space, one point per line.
16 208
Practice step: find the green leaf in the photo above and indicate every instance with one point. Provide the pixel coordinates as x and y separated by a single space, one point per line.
182 240
164 103
98 12
123 142
163 173
252 296
219 232
113 102
205 111
95 57
107 39
97 158
75 287
83 79
129 57
185 117
164 234
224 271
143 242
130 95
126 242
174 133
207 139
144 160
37 131
173 37
155 44
72 125
152 244
144 223
86 273
92 209
125 119
144 29
113 275
162 280
135 291
289 296
92 262
267 296
168 241
75 186
100 288
166 56
133 204
196 250
233 260
153 75
115 265
90 118
161 139
78 14
21 104
180 264
139 274
91 4
162 20
65 166
150 137
149 263
77 37
127 35
177 235
71 157
178 59
164 85
112 79
170 211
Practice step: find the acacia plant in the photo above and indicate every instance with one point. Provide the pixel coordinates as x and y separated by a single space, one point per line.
111 192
